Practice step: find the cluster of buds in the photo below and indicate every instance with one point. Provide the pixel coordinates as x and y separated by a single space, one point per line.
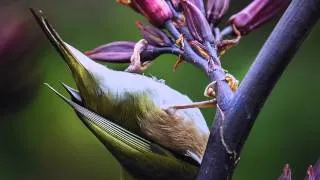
182 26
313 172
189 29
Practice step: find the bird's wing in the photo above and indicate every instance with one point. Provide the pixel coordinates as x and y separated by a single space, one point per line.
75 95
133 152
186 155
110 128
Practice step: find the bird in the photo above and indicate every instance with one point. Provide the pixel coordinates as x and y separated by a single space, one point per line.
142 111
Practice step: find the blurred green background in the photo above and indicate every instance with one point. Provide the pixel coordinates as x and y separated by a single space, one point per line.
45 140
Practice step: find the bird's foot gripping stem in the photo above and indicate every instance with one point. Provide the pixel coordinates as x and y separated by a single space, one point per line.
202 104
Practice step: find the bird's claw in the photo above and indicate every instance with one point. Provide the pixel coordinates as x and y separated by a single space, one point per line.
210 91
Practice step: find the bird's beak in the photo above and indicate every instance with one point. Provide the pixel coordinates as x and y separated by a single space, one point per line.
82 67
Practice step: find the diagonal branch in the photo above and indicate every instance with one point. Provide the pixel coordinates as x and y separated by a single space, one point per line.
232 128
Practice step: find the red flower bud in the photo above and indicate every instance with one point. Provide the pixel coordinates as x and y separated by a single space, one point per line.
257 13
156 11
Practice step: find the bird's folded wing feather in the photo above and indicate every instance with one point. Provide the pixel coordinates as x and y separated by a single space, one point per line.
187 155
116 131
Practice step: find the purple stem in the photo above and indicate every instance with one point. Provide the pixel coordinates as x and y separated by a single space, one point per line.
223 91
226 32
171 50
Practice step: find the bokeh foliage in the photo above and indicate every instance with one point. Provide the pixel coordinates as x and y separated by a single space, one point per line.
45 140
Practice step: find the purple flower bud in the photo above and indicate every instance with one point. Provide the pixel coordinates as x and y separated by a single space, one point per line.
313 172
199 4
286 173
156 11
153 35
310 174
215 9
196 22
257 13
120 52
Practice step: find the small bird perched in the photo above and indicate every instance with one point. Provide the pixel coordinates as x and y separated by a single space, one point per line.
141 105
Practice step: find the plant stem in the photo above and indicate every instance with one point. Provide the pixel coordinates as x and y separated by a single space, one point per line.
231 130
170 50
223 91
213 53
226 31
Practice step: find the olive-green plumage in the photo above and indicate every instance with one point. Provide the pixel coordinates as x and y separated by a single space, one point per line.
143 159
135 104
